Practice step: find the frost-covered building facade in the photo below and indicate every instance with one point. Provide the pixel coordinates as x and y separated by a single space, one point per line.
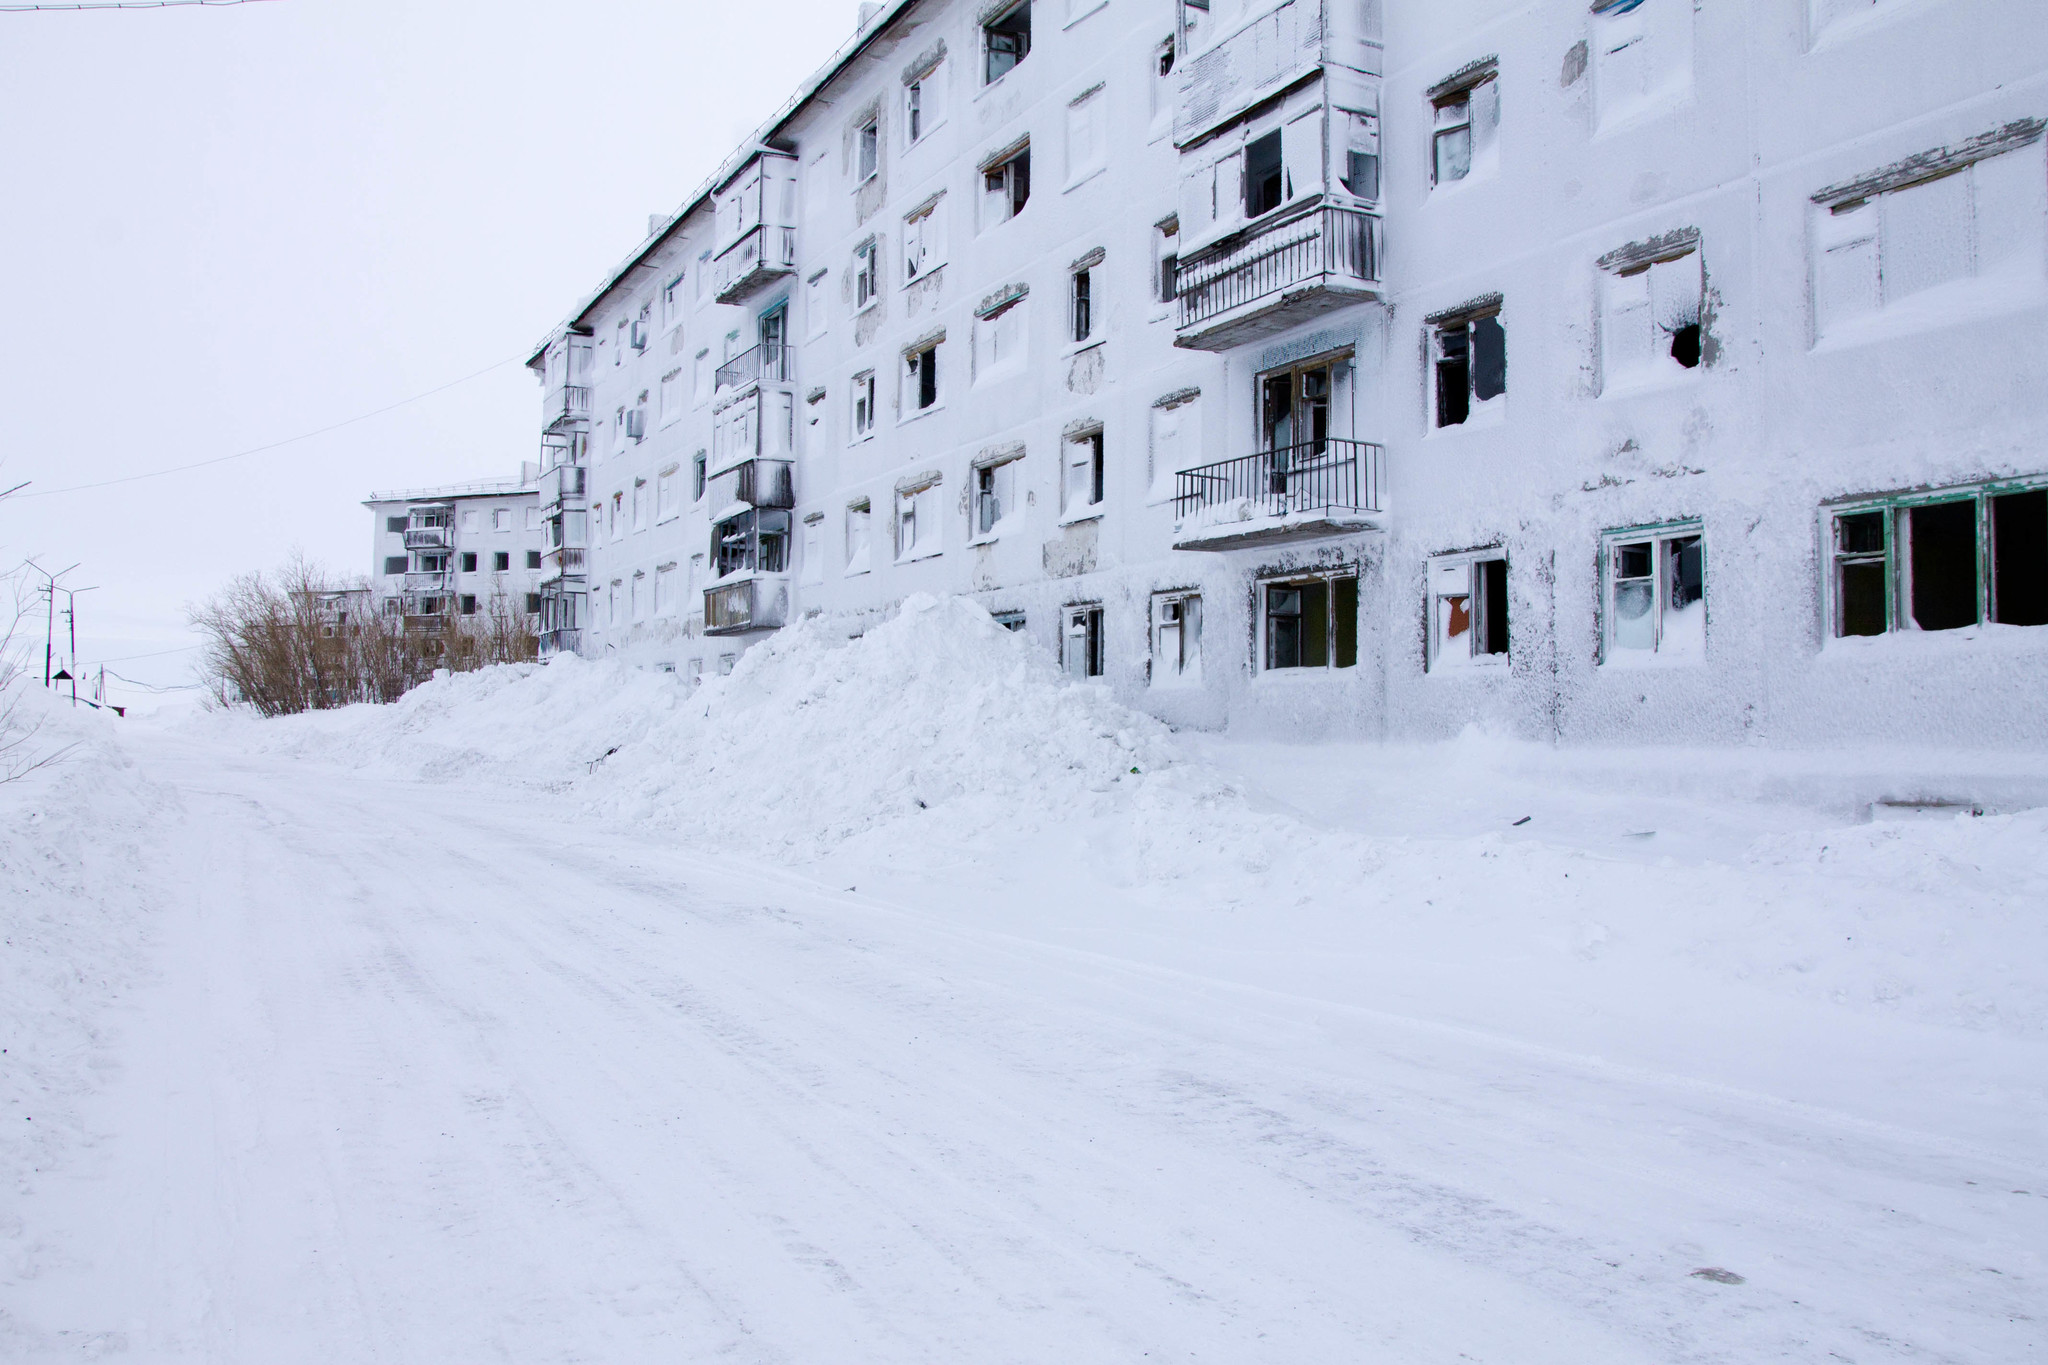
439 554
1633 370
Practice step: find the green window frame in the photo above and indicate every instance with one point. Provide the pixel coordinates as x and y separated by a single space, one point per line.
1650 576
1937 559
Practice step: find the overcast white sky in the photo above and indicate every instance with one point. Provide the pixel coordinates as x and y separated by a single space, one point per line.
225 226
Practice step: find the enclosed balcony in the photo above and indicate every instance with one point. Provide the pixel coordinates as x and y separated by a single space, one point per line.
751 483
563 483
756 217
427 537
565 561
1324 488
753 603
1273 276
767 363
428 580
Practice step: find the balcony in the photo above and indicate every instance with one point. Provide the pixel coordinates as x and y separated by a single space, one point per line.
764 364
565 405
428 537
1303 492
563 641
428 580
562 562
1225 73
563 483
758 259
748 604
751 483
1272 277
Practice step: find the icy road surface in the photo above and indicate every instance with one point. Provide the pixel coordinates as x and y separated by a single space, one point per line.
436 1074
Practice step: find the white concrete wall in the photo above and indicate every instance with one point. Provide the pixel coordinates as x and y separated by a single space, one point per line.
522 539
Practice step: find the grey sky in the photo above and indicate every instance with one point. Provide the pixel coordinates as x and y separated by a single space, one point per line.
227 226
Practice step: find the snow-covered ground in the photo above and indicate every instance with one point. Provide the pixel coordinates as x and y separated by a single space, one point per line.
893 1001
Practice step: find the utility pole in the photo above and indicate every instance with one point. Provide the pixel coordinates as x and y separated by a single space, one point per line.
50 625
71 620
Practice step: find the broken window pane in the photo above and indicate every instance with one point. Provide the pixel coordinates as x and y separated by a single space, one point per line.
2019 546
1860 575
1264 187
1008 41
1635 597
1944 564
1454 139
1283 627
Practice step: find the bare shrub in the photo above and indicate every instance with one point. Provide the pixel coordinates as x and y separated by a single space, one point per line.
302 639
20 754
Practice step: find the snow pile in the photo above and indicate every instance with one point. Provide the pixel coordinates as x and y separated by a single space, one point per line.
75 920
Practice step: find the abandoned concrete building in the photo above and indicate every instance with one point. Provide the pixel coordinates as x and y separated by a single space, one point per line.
438 554
1625 371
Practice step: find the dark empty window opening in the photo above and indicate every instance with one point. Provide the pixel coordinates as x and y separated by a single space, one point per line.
533 604
1084 310
1685 345
1943 563
2019 558
697 477
533 559
501 560
1006 187
1169 268
1861 575
1490 579
923 367
1166 58
468 604
1265 185
1007 41
1312 623
394 564
394 524
468 561
1471 366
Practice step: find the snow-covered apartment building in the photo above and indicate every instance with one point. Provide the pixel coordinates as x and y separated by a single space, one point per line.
438 554
1632 370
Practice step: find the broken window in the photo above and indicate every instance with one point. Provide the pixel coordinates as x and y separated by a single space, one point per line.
394 564
1359 171
1942 561
755 541
1650 316
868 153
1265 182
1000 336
1656 593
1006 41
1311 622
1012 621
1005 187
1468 610
501 561
857 537
1176 638
1166 248
697 467
533 559
1471 365
1081 306
913 110
867 273
924 247
921 377
995 496
1081 642
917 522
468 561
1081 488
1642 55
468 604
863 405
394 524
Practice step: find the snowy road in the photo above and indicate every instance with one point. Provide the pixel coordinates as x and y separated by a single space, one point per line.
415 1086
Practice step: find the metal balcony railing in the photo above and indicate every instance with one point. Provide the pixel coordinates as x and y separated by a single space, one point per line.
763 254
1329 475
767 363
565 404
1328 244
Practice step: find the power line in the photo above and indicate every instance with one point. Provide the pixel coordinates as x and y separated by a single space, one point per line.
155 687
274 445
130 658
117 4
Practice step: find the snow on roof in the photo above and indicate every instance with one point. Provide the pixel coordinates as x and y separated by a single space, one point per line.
479 488
836 63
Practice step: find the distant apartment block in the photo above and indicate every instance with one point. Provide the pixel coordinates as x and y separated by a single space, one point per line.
440 554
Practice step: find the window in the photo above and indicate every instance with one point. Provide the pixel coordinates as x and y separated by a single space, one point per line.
639 504
1176 638
1006 41
501 561
1311 622
868 153
995 496
533 518
1081 642
697 465
817 315
671 396
924 244
468 604
1081 306
1941 561
913 111
672 300
394 564
392 606
533 559
813 565
469 561
1012 621
1081 484
469 519
668 500
924 103
618 516
665 589
395 525
533 604
1886 238
636 420
700 376
918 522
1468 610
1163 86
1166 251
1265 185
636 596
755 541
1359 170
1176 441
643 326
857 537
1005 187
1471 365
867 279
1642 56
1000 338
1650 316
1465 139
863 388
1087 135
921 378
1654 594
620 336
